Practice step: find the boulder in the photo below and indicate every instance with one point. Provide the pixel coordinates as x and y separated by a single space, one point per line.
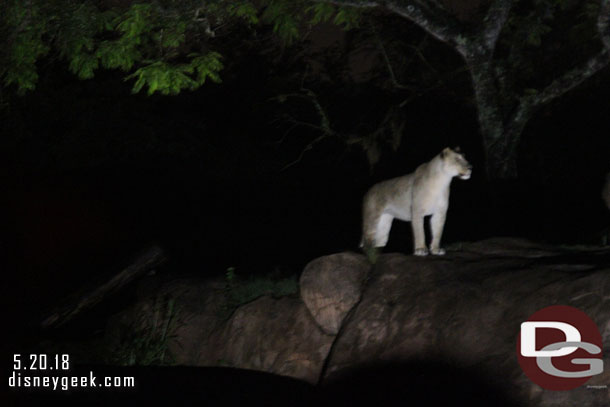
271 335
466 309
331 285
454 319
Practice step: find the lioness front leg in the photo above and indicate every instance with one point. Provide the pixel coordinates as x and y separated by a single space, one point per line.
419 236
437 223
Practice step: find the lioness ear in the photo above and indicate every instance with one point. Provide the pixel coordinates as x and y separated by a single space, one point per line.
444 152
457 149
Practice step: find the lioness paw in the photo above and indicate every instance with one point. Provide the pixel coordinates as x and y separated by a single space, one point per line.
438 252
422 251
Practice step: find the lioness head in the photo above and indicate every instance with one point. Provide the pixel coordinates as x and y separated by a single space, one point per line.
455 163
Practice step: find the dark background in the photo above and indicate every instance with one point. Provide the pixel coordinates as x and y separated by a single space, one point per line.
91 174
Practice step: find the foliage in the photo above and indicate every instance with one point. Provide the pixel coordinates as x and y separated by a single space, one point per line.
24 29
372 254
148 339
166 46
239 291
169 46
170 79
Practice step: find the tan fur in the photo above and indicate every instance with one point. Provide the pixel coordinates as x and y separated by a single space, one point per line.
606 191
412 197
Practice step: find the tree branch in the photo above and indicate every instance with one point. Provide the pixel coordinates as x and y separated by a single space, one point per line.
603 23
428 15
433 19
513 127
388 64
572 79
324 127
576 76
494 20
352 3
306 149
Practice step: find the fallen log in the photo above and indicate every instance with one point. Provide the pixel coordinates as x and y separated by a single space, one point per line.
145 262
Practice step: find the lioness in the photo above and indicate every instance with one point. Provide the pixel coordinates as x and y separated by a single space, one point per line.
410 198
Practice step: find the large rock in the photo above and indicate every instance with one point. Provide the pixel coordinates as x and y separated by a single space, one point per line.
331 285
272 335
197 316
275 335
452 319
467 308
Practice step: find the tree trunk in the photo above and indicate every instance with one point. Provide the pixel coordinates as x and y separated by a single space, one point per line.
500 155
500 131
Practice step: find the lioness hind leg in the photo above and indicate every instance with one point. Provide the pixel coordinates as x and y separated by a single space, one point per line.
369 235
369 232
382 232
376 230
375 235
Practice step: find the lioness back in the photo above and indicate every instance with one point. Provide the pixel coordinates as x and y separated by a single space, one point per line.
392 196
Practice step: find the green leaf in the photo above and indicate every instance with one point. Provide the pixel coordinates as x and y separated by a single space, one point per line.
206 66
174 36
348 17
322 12
106 20
138 20
245 11
24 50
84 65
284 23
118 54
169 79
